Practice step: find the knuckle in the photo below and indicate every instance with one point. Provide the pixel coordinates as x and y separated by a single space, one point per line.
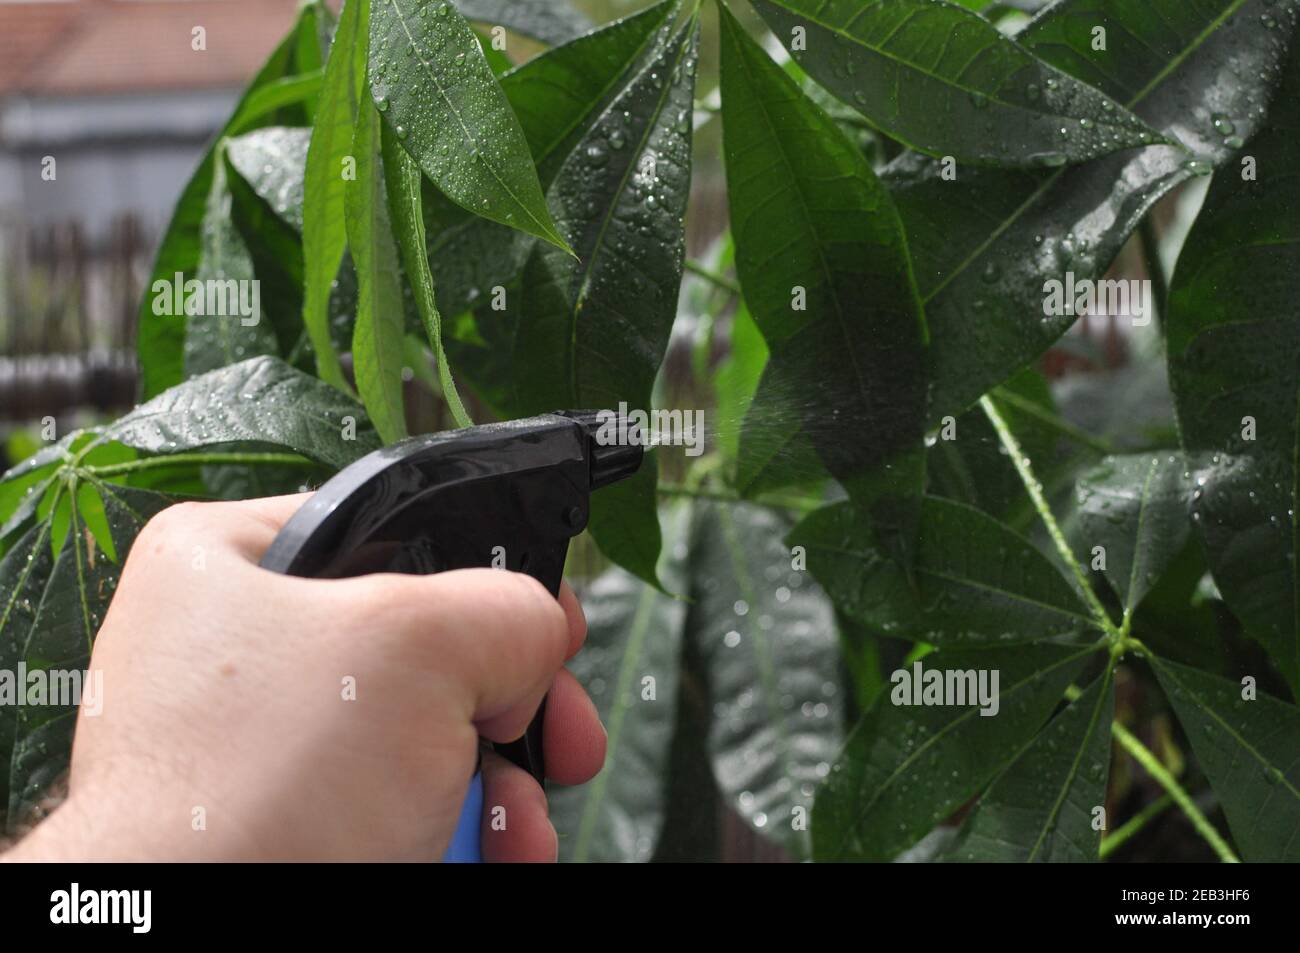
168 527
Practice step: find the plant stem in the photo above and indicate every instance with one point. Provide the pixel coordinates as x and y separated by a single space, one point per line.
1134 824
1161 774
198 459
801 504
1035 490
722 281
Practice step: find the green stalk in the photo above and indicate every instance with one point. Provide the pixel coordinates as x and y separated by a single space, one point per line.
1134 824
1161 774
198 459
722 281
1035 490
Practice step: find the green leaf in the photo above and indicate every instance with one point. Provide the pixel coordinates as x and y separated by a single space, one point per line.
767 639
227 324
324 232
269 99
21 490
946 82
823 259
261 400
1136 508
625 522
977 583
907 767
380 327
1041 807
90 508
594 332
984 246
557 97
1234 359
551 21
1250 751
437 92
634 633
50 610
405 206
264 172
57 508
271 161
161 337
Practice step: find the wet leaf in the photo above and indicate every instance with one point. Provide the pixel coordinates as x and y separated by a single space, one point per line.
985 245
556 96
265 174
271 161
1136 508
1248 750
50 610
629 665
437 92
823 260
905 768
1040 809
946 82
381 322
324 232
224 321
977 582
405 206
551 21
767 638
262 401
1234 359
595 331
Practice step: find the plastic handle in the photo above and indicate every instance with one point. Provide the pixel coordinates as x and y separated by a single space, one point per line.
466 844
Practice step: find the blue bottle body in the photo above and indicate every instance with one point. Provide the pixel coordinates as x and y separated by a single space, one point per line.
465 846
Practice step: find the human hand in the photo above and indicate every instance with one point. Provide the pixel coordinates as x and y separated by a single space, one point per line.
227 732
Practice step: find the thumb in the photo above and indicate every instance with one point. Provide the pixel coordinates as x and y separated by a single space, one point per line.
498 638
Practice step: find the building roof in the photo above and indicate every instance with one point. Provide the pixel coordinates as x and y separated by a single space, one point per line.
55 48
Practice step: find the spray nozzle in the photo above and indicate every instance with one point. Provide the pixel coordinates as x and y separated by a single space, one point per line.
615 445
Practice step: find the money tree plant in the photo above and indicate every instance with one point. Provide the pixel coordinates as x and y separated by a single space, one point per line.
915 598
